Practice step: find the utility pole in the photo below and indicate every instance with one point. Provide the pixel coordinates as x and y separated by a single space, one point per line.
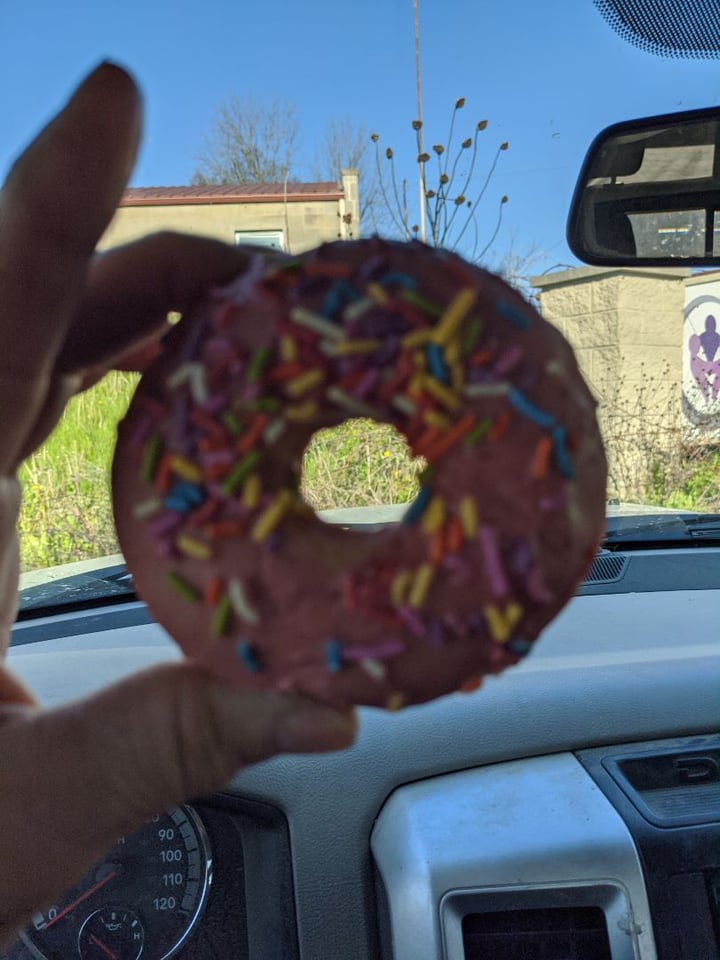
418 91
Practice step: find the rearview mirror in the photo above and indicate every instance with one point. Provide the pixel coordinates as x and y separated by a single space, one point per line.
649 194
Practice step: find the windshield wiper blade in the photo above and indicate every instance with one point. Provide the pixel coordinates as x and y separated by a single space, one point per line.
703 525
105 585
676 528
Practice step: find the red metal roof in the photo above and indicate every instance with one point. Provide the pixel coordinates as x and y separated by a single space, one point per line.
293 192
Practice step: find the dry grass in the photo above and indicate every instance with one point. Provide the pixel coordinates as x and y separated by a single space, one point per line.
651 456
358 464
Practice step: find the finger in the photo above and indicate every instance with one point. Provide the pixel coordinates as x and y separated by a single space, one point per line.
75 779
13 691
9 558
131 289
123 314
58 390
139 357
57 201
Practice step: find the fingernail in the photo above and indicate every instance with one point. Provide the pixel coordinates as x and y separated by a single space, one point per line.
107 62
107 69
311 729
109 95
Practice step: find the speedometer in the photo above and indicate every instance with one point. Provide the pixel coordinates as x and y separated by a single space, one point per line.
145 897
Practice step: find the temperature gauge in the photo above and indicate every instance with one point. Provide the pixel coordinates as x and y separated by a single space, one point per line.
111 933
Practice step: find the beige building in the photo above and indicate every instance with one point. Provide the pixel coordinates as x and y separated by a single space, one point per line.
625 325
288 216
654 374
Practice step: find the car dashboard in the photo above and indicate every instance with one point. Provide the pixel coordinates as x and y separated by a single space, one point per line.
569 808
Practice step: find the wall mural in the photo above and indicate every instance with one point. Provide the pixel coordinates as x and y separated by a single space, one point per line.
701 359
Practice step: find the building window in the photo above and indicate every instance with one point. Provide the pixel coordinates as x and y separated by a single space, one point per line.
261 238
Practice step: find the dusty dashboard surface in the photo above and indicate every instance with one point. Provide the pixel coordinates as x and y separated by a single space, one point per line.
529 816
495 818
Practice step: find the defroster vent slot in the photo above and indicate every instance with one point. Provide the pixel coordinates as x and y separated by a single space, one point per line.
607 568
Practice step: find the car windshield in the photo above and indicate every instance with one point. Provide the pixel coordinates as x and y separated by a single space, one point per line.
291 125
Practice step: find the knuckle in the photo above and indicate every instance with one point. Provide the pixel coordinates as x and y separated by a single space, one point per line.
188 753
200 744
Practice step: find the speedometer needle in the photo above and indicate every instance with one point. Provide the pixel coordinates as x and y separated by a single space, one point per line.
88 893
106 950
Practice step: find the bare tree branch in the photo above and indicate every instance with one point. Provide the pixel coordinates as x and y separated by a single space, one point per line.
516 266
346 145
392 211
250 142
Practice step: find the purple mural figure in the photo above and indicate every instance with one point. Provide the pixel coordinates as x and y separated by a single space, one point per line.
697 365
710 338
706 371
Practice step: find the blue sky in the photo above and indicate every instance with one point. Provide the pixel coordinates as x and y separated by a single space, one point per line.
548 77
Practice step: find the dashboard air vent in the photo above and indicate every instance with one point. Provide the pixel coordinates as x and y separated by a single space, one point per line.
573 933
607 568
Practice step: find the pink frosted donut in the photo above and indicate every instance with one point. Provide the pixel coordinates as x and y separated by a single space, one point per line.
247 579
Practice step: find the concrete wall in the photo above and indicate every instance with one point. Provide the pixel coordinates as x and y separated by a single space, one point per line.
304 224
625 325
626 328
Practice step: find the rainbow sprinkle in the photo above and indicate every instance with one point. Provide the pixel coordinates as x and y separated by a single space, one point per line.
221 617
182 587
247 655
239 602
333 656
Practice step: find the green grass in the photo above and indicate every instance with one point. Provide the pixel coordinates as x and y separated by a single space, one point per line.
688 481
66 513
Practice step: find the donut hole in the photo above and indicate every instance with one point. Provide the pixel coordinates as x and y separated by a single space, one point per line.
359 463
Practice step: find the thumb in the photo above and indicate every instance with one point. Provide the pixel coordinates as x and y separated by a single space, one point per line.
76 778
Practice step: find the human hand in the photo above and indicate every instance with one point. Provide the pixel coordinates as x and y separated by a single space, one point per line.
73 779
